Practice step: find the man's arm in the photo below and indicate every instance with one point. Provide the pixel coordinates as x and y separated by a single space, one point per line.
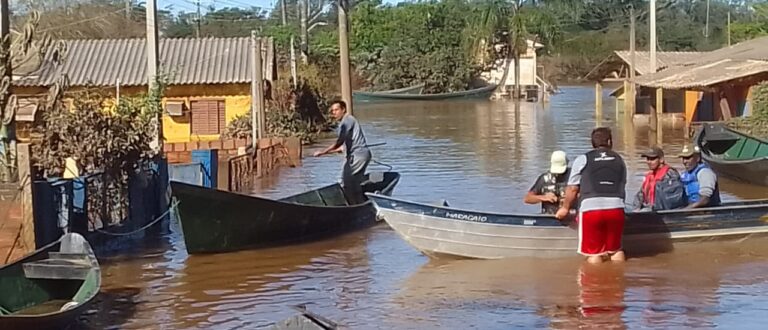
572 191
335 147
534 195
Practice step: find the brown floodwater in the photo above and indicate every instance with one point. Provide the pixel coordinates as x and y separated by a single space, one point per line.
482 155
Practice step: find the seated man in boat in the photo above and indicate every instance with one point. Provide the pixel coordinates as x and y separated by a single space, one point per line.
662 188
699 180
352 140
549 188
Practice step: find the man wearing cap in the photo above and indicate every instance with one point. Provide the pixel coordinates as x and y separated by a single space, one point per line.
549 189
662 188
597 180
699 180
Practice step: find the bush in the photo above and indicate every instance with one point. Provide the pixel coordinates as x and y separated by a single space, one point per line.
757 123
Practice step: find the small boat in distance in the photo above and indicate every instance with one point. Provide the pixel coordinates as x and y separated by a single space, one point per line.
219 221
445 231
51 287
733 154
475 93
367 96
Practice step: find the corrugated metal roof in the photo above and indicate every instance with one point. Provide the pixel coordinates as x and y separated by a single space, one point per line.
745 59
663 59
100 62
698 76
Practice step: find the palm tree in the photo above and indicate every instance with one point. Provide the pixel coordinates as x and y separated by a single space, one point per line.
513 21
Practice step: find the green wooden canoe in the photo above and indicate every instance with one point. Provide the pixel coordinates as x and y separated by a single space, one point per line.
733 154
477 93
363 96
51 287
220 221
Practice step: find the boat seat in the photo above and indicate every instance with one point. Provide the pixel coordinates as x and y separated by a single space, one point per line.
59 266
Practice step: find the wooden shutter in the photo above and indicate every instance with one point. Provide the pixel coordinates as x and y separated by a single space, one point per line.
208 116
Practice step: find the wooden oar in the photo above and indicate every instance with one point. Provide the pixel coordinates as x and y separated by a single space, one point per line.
376 144
315 318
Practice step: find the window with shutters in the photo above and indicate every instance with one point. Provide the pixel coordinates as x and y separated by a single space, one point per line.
208 116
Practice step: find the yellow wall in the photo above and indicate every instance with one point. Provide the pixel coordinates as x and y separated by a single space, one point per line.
177 128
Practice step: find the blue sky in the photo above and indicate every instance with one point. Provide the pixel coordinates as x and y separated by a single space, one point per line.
189 5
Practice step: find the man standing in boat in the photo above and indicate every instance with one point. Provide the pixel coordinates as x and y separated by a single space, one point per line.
661 188
549 188
599 178
352 140
699 180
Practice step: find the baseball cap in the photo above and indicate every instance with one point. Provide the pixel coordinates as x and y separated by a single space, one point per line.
654 152
689 150
559 162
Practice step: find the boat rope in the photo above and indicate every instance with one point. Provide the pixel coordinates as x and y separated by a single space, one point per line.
173 207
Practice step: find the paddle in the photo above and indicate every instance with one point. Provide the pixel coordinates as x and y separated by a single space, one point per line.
376 144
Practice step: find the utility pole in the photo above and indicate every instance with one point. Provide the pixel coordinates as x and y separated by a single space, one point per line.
152 64
706 25
729 27
128 9
346 81
304 33
655 114
197 32
257 91
631 99
283 11
7 133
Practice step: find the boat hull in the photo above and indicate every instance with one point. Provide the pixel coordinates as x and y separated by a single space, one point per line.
361 96
443 231
218 221
23 294
734 154
477 93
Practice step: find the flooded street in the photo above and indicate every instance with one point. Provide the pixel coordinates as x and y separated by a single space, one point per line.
477 155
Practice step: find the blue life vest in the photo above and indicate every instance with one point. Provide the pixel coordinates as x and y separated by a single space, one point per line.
691 182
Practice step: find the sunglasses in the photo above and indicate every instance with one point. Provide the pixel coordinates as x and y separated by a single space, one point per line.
650 159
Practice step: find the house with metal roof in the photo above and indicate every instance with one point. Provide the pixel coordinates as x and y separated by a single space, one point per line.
721 79
208 79
615 69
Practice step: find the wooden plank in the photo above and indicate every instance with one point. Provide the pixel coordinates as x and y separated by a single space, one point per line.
25 181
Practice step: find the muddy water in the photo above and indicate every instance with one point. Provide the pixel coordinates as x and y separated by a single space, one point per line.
481 155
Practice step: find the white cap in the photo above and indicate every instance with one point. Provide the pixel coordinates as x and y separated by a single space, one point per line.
558 163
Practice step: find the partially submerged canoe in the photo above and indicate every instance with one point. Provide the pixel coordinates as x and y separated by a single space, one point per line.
220 221
364 96
444 231
51 287
734 154
484 92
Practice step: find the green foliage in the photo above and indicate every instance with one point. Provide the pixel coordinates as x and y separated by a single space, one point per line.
298 111
757 123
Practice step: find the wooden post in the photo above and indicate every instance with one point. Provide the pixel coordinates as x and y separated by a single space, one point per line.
346 81
729 27
27 238
631 94
598 103
659 115
257 91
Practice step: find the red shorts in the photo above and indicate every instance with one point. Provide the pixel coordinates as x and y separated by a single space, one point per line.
600 231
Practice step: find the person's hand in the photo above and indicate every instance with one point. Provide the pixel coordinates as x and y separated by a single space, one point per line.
561 213
549 198
318 153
